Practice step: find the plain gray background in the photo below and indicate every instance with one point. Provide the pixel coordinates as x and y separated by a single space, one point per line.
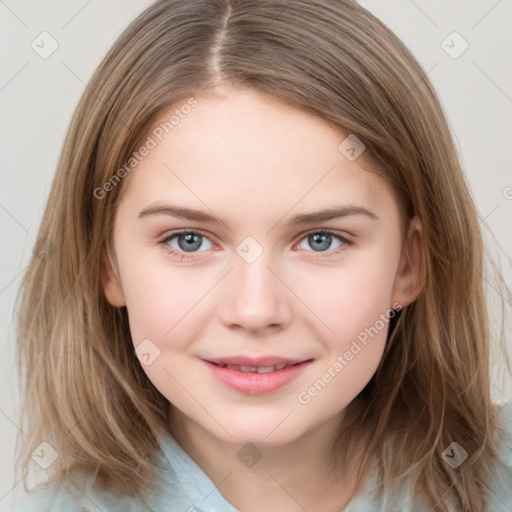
38 96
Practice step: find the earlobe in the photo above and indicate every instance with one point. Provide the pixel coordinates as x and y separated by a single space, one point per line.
410 275
111 284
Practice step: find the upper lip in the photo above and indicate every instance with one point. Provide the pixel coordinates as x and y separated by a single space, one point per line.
262 361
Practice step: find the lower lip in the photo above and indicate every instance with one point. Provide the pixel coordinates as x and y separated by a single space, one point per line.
253 383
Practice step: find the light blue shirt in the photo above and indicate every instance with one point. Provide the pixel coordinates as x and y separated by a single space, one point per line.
188 489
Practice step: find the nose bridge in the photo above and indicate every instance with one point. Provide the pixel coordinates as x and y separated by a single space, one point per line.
256 298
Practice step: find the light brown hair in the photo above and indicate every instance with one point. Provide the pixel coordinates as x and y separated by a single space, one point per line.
85 391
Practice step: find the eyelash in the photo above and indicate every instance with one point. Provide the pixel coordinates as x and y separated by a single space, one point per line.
345 243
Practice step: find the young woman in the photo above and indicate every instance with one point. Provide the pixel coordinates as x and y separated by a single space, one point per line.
266 291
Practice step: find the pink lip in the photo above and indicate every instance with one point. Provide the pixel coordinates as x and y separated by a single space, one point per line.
253 383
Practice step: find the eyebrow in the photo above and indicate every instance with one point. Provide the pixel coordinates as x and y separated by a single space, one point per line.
300 218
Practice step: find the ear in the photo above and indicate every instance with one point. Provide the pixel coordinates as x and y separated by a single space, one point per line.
111 283
410 275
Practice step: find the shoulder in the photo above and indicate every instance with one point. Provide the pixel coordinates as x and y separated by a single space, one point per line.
44 500
78 495
74 498
500 484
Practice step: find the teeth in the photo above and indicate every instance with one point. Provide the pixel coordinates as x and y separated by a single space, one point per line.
245 369
266 369
255 369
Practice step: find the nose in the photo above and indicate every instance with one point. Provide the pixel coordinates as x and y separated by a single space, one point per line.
255 298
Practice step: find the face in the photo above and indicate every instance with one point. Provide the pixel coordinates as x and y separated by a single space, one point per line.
220 261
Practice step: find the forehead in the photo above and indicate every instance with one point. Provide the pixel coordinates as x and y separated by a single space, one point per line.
243 149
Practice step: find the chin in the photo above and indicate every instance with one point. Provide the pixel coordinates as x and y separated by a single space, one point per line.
264 434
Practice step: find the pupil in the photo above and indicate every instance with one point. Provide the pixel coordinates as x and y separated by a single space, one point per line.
193 242
322 238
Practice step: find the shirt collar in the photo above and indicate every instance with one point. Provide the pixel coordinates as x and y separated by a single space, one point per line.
201 491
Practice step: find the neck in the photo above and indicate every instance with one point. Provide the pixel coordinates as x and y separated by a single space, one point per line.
297 476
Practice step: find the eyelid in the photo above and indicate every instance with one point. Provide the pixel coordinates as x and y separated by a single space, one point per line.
329 231
165 238
344 241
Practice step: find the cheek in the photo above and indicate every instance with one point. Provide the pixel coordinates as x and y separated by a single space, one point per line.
160 299
357 308
351 297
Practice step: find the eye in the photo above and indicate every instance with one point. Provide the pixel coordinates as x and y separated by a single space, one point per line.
321 241
182 242
185 244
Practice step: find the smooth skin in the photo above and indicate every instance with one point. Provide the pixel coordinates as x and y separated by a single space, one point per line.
255 163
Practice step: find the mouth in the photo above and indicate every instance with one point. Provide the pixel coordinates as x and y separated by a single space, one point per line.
256 369
257 378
